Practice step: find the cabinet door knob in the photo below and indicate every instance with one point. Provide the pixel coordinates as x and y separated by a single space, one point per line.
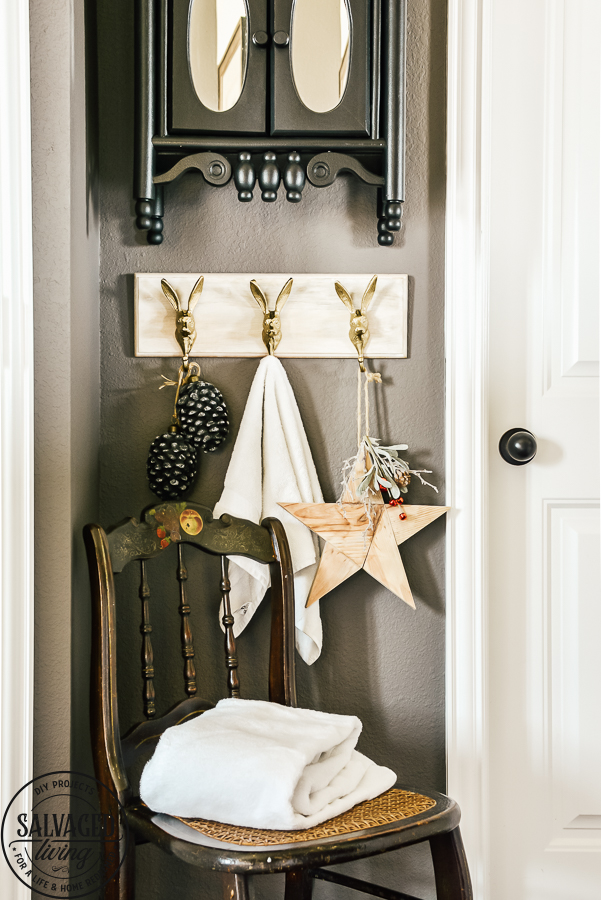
518 446
281 39
260 38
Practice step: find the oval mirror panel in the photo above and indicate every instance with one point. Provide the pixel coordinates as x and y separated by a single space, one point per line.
320 52
217 48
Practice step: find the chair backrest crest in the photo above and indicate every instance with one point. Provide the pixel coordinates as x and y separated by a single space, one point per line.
165 523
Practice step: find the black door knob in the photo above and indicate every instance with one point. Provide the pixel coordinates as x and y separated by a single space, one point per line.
518 446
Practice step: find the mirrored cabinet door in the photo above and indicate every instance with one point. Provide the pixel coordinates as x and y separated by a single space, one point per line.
321 67
219 59
279 67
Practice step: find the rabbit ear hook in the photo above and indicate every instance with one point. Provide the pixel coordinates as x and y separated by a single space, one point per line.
185 327
272 326
359 330
185 335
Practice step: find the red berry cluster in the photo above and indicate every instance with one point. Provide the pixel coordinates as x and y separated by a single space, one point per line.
393 502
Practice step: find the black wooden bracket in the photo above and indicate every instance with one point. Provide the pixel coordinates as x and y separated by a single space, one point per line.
213 167
325 168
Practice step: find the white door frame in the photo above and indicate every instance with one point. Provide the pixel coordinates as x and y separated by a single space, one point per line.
467 298
16 417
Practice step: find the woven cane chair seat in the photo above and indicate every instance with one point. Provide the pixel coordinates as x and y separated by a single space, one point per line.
389 807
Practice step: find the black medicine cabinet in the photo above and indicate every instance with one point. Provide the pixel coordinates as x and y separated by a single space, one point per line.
270 91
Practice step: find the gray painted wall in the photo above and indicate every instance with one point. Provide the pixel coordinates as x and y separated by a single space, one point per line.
67 381
381 661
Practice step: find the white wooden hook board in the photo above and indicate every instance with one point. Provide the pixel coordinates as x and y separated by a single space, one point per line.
315 323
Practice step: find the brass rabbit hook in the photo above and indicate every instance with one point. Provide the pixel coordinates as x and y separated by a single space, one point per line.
185 327
185 334
272 326
359 330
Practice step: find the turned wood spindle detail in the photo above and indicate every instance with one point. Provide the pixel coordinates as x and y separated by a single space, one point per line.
186 631
155 232
148 693
245 177
389 222
269 178
231 659
294 178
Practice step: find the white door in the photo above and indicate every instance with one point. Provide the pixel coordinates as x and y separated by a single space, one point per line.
544 587
524 591
544 600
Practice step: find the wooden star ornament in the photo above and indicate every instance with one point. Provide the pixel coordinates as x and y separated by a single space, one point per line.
353 542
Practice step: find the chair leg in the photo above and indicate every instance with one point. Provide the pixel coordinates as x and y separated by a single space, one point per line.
122 885
299 885
450 867
235 887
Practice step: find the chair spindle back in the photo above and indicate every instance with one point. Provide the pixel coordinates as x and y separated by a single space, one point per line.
231 657
186 631
109 553
148 692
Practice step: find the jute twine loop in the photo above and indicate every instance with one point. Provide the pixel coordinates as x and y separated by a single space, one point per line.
369 376
186 371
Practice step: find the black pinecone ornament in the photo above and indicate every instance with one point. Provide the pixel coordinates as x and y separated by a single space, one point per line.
202 414
172 464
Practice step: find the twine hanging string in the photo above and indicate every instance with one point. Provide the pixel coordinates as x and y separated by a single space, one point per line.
369 376
359 415
385 469
362 434
186 370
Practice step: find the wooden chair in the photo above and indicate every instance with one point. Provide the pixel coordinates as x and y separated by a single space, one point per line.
164 526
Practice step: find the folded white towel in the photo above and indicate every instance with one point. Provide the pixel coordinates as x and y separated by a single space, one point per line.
261 765
271 463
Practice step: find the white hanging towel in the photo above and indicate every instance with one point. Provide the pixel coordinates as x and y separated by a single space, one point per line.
271 463
262 765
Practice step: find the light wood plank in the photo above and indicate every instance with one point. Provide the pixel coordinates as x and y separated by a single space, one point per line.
346 527
335 568
315 323
417 518
384 562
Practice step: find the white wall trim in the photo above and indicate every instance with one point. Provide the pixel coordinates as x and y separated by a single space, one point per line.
16 417
467 295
